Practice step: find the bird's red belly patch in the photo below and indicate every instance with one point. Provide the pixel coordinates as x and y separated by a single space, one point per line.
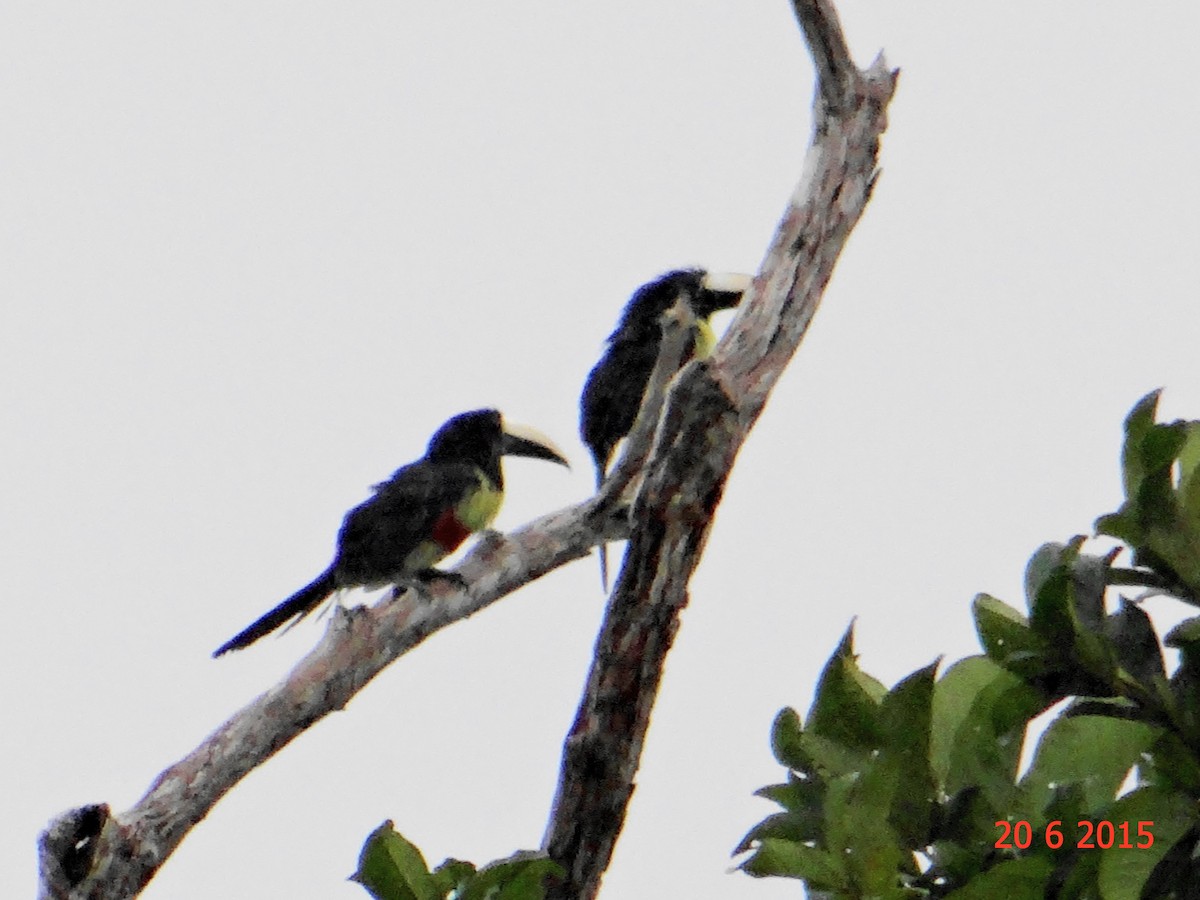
448 532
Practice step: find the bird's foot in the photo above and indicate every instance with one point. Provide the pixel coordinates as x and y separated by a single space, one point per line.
491 539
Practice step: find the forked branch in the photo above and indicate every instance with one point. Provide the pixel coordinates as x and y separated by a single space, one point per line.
708 414
92 853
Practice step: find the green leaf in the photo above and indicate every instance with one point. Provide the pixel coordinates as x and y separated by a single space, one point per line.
1048 583
1138 651
907 717
1094 752
1185 633
1047 562
1088 583
1123 872
1189 472
1080 869
956 863
1174 552
1122 526
1146 459
856 809
798 827
1159 519
846 706
1154 504
1161 446
522 876
392 868
799 793
965 828
1185 691
802 798
1006 636
786 733
1068 804
1066 595
831 759
1138 424
1172 765
1015 878
980 711
1177 870
820 869
451 874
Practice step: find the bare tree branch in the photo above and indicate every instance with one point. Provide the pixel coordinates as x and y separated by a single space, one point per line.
836 73
91 853
357 646
111 856
124 854
709 411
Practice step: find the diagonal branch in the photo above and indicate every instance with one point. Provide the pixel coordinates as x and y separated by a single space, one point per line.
127 849
709 412
91 852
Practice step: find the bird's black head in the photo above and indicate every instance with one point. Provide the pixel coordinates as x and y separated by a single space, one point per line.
471 437
705 291
480 437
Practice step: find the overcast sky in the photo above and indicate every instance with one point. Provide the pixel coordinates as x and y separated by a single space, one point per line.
253 254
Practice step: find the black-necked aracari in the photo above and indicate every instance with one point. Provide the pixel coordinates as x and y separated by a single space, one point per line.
613 392
418 516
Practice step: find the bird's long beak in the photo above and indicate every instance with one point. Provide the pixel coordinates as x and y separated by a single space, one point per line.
726 282
721 290
521 440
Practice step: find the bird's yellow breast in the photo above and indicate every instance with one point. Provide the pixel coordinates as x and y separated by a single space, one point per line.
474 512
703 339
479 507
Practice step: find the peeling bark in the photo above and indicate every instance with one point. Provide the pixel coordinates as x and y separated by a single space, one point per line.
675 465
708 414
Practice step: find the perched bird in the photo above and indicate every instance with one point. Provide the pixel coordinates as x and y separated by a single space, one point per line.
418 516
613 392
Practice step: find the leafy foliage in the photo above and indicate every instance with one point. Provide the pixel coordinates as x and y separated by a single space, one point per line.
392 868
914 791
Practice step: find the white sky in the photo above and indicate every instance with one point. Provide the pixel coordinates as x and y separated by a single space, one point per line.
253 254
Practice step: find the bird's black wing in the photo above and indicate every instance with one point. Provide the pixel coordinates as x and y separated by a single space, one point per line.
612 395
379 534
375 539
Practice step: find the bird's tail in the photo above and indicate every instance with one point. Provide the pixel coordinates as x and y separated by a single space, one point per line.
299 604
601 466
601 470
